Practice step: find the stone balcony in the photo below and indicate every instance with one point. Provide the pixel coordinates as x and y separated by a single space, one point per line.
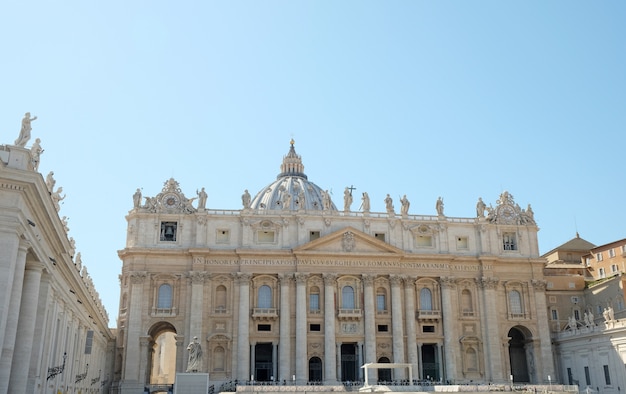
350 314
265 313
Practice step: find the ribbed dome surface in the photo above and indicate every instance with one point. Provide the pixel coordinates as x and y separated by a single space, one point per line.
292 191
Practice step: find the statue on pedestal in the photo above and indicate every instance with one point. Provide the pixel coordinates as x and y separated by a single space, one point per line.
195 356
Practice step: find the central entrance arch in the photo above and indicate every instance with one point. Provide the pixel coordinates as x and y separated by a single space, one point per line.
518 343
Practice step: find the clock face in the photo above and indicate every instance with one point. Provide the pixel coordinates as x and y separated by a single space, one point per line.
507 212
170 200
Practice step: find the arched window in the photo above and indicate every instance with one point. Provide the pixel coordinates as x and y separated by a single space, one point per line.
381 300
426 300
220 298
347 297
467 307
265 297
515 302
165 297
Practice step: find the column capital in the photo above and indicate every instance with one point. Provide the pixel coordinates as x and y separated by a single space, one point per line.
487 283
242 278
197 277
368 279
409 281
447 282
329 279
138 277
301 278
539 285
396 280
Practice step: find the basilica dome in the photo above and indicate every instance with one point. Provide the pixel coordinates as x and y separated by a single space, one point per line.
292 191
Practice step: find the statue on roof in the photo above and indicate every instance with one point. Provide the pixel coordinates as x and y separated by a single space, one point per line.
347 199
24 136
480 208
137 198
389 204
439 206
50 182
366 202
35 153
246 199
404 209
202 196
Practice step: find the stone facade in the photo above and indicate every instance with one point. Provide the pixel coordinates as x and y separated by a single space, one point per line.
290 288
53 328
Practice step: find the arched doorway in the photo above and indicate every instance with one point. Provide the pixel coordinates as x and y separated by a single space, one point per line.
384 374
315 369
517 355
163 355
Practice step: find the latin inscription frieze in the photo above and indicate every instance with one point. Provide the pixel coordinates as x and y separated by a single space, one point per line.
354 263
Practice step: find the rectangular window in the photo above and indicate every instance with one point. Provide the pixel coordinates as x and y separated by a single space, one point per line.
428 329
599 256
380 236
424 241
611 252
607 375
168 231
314 302
601 273
314 235
265 236
614 268
576 314
89 342
555 314
587 376
383 328
223 236
509 241
588 261
264 327
315 327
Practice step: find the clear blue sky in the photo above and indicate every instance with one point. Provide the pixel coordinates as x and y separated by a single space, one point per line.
459 99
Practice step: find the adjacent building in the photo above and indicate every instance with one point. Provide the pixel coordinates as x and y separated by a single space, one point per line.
294 288
585 289
53 328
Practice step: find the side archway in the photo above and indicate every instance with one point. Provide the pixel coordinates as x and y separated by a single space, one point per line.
521 355
163 355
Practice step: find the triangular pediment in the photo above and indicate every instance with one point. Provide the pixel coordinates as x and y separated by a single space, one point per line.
349 241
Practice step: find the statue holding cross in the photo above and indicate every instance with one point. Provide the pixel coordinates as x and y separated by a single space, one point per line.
347 198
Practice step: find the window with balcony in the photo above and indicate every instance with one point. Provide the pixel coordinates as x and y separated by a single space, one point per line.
347 298
381 301
314 301
467 308
265 297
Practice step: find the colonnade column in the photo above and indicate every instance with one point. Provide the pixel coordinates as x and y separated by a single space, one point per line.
546 362
493 352
396 326
450 315
12 303
370 324
330 362
409 302
243 334
26 327
301 341
285 329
